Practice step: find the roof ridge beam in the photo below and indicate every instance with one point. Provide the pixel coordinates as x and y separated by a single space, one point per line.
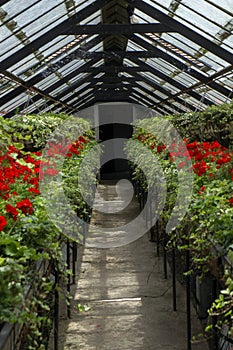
116 28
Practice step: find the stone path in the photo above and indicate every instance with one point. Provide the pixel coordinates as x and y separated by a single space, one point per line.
127 304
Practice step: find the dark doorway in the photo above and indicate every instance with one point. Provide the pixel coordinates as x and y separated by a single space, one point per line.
115 168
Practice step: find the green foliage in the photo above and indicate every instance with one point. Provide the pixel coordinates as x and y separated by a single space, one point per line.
222 307
214 123
34 238
208 220
33 131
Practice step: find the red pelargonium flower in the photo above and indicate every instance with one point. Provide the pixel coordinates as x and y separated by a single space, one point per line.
4 187
202 189
231 201
34 181
6 196
82 139
73 149
3 222
25 206
57 148
13 149
181 165
215 144
160 148
12 210
200 168
38 153
140 138
29 159
33 190
51 172
225 158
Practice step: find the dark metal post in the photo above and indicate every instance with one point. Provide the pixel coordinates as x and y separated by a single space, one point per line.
84 232
157 238
157 224
146 211
143 201
152 217
215 319
164 255
140 197
150 212
188 302
74 259
174 277
56 311
68 281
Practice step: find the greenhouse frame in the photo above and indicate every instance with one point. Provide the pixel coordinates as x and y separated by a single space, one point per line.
119 113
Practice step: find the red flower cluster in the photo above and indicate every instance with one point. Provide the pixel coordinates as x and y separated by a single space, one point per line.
14 172
3 222
12 210
68 149
57 149
25 206
202 154
76 147
160 148
207 157
143 137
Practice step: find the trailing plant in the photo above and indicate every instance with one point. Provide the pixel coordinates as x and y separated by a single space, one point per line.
208 220
214 123
27 235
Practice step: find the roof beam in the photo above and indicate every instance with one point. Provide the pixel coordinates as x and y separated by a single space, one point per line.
118 28
117 69
50 89
183 30
101 86
78 93
165 92
51 34
173 82
83 53
144 97
40 94
3 2
85 105
83 100
121 96
112 80
29 86
151 93
139 98
74 86
183 67
107 93
51 69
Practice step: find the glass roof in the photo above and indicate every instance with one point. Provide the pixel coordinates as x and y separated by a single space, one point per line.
172 55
